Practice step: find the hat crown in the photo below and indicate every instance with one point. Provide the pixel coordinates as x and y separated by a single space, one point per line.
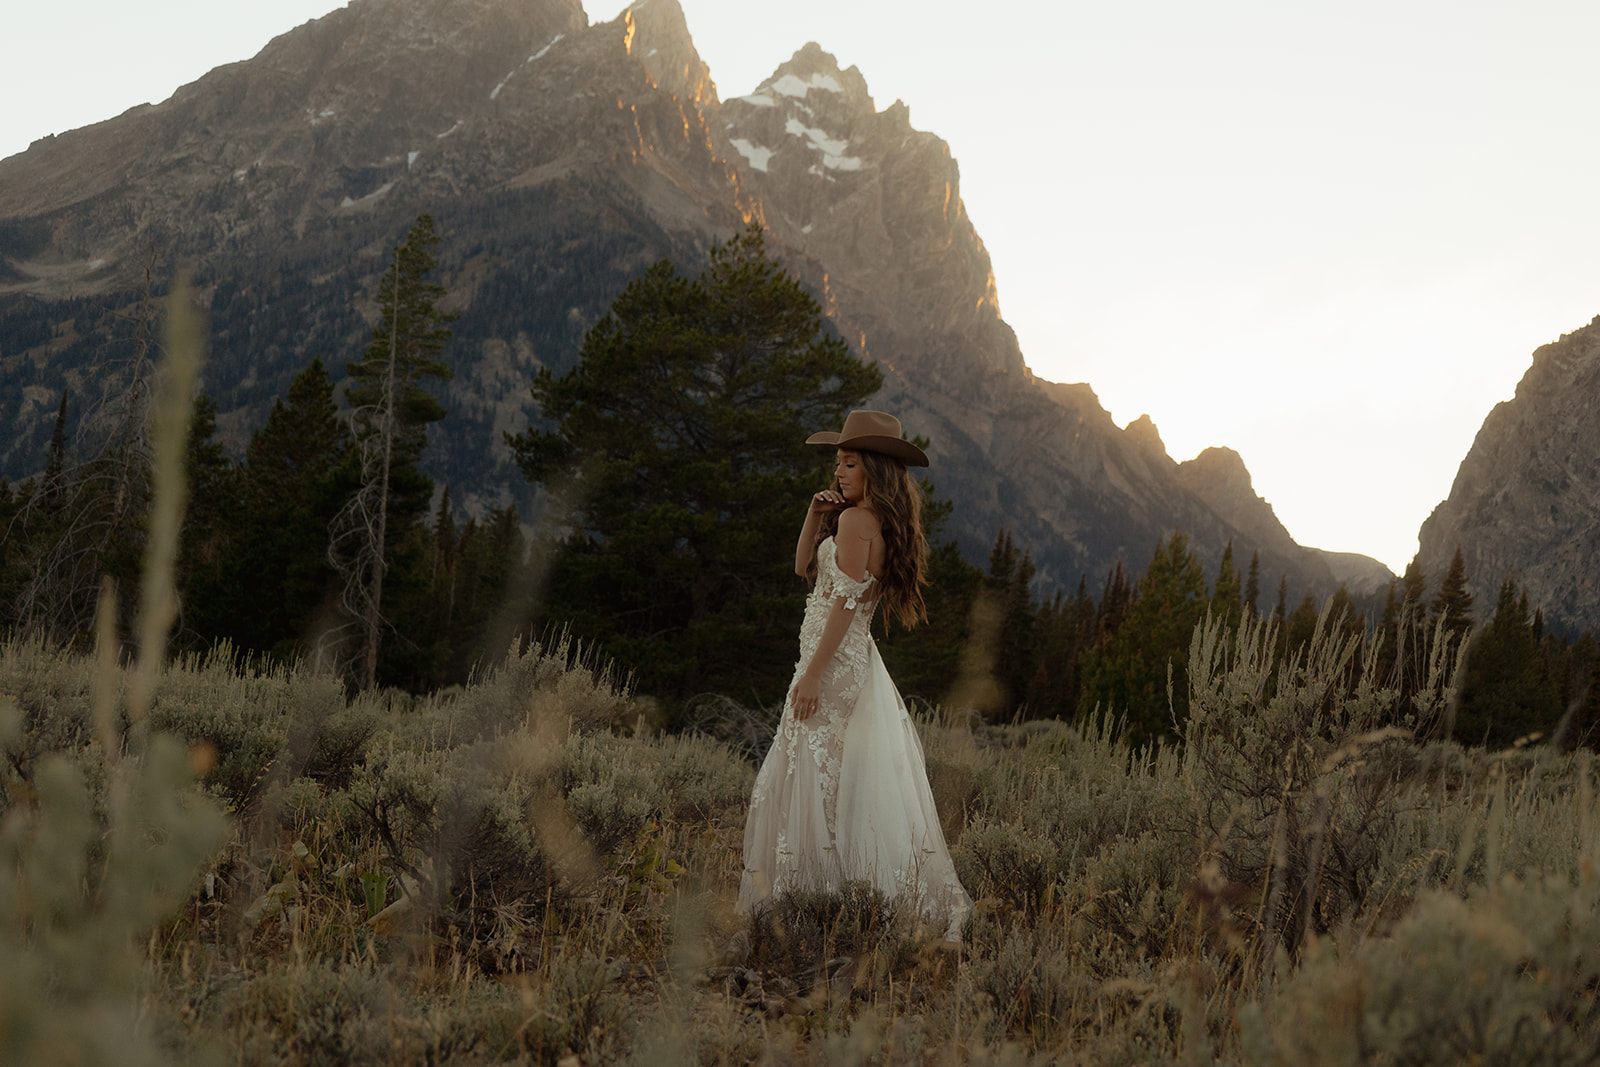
870 424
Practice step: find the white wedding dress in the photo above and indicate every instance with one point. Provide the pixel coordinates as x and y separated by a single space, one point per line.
843 796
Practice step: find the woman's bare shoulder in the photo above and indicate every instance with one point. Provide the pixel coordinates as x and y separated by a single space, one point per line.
859 523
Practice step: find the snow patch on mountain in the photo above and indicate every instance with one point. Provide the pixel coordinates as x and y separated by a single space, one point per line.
754 154
376 194
790 85
540 54
832 149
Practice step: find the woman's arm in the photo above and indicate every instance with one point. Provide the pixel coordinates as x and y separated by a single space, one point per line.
808 690
805 549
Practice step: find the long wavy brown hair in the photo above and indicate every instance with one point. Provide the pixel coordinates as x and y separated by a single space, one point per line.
896 499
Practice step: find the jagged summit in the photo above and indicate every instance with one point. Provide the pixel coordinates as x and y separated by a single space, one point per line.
1142 431
808 114
658 37
814 68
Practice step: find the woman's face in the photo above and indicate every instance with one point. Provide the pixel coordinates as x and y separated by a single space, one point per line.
851 475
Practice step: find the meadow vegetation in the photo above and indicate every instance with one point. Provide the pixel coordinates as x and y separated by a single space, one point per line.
264 871
235 857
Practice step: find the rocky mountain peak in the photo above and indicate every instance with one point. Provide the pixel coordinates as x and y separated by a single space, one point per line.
657 35
1223 468
809 113
811 72
1142 431
1526 500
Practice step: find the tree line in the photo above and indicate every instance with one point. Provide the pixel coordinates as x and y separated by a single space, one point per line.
672 474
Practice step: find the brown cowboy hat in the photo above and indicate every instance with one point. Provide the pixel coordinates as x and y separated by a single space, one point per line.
872 431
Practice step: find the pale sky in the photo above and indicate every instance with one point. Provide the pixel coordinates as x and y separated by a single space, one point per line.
1326 234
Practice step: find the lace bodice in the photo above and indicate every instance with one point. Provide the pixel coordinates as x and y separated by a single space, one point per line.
850 661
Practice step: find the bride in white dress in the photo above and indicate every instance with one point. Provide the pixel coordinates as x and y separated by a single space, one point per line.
843 793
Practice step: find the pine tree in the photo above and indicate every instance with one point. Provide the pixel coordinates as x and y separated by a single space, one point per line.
389 423
1252 586
54 486
1008 586
298 473
1386 640
1226 602
1301 624
1454 602
1413 635
678 458
1128 674
208 556
1505 694
1115 600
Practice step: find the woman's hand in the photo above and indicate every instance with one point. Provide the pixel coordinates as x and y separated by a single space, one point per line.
828 500
806 697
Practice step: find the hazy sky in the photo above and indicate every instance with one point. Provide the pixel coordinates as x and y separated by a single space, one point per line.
1326 234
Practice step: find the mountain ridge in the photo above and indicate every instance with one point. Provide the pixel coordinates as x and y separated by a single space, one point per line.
561 157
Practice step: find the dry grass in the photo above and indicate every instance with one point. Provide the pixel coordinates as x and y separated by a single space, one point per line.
508 874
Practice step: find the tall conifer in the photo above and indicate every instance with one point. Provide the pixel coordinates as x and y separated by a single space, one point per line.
389 422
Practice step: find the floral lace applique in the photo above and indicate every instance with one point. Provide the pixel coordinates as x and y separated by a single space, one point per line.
843 677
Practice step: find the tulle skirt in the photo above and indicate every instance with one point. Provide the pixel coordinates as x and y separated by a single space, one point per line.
868 767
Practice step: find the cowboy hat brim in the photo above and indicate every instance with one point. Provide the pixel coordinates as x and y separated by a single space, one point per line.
899 448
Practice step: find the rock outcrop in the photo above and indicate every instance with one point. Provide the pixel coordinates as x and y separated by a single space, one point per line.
559 159
1526 499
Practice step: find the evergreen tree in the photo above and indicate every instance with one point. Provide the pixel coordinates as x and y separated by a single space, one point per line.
1252 586
1066 628
678 457
1115 600
1226 601
1008 586
1346 616
389 423
1301 624
1454 603
1386 640
54 487
1129 673
207 563
298 472
1506 693
1413 635
487 608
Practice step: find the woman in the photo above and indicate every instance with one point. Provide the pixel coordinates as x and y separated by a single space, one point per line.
843 794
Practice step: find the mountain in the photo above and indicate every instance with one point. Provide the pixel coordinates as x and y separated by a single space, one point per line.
560 158
1526 500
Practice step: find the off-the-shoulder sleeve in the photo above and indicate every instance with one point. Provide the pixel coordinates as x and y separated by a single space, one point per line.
850 589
